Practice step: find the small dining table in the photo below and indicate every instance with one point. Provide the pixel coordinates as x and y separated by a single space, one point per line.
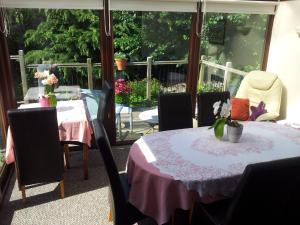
73 126
174 169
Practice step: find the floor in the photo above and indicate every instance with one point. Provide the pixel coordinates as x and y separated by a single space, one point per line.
85 201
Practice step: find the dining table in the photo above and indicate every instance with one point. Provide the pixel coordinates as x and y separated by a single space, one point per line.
73 126
175 169
62 93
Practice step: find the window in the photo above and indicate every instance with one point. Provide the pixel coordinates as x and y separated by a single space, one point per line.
233 38
155 45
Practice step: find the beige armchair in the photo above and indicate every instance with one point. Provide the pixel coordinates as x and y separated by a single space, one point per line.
262 86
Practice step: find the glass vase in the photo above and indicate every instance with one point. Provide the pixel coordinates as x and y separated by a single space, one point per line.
49 89
52 99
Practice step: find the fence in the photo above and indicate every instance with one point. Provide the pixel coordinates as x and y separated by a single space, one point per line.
149 64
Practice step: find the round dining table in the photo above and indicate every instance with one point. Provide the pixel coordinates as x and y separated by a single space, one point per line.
174 169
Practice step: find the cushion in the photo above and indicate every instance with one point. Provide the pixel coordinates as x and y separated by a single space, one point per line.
257 111
261 80
240 109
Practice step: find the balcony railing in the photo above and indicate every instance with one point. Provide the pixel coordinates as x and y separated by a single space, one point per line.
228 70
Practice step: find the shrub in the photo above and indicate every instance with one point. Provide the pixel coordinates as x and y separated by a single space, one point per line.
138 93
210 87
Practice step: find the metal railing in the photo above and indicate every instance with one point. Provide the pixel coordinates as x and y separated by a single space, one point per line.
228 70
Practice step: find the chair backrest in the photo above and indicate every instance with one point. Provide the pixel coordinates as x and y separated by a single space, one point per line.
104 100
38 153
262 86
174 111
268 193
104 147
205 103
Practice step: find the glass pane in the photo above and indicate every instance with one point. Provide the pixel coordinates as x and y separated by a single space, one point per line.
61 41
233 38
155 45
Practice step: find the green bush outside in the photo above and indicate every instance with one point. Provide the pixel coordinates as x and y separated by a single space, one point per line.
137 96
210 87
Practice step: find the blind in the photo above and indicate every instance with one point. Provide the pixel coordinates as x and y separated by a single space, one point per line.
53 4
155 5
240 6
225 6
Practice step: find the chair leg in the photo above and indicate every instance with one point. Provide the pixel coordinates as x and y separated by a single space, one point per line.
110 216
62 189
67 155
85 161
23 193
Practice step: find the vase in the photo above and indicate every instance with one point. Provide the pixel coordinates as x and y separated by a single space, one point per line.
44 101
49 89
234 133
52 100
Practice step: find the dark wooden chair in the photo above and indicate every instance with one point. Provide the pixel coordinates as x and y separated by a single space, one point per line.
174 111
37 150
205 102
122 212
268 193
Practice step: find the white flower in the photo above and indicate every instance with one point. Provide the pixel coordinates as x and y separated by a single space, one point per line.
225 110
46 73
216 107
44 82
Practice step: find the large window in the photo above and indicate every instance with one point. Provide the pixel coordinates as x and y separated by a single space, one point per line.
155 45
65 41
233 39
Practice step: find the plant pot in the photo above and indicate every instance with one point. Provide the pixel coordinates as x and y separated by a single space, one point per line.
121 64
234 133
44 101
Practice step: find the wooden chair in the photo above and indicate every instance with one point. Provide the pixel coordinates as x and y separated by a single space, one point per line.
37 150
268 193
174 111
122 212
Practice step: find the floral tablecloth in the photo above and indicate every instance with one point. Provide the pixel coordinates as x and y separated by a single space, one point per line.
180 162
73 125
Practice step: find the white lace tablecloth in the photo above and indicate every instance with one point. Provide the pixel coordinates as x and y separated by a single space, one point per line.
211 166
174 169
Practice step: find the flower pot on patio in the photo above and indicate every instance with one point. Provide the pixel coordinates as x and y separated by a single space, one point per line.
120 59
121 64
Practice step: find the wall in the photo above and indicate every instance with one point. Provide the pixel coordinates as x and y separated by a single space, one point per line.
284 56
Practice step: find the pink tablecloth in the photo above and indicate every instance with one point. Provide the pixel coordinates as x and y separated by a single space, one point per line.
173 169
73 125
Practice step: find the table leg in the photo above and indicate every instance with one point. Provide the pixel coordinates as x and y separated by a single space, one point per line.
85 161
67 155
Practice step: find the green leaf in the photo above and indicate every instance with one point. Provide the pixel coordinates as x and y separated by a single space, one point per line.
219 128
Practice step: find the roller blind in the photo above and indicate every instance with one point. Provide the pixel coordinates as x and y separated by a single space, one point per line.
240 6
155 5
225 6
54 4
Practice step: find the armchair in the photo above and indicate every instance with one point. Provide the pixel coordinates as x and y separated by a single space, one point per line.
262 86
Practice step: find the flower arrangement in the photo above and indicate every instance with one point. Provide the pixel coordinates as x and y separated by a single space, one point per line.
122 91
222 113
48 80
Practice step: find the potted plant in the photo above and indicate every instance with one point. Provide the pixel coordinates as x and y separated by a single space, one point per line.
120 59
222 113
